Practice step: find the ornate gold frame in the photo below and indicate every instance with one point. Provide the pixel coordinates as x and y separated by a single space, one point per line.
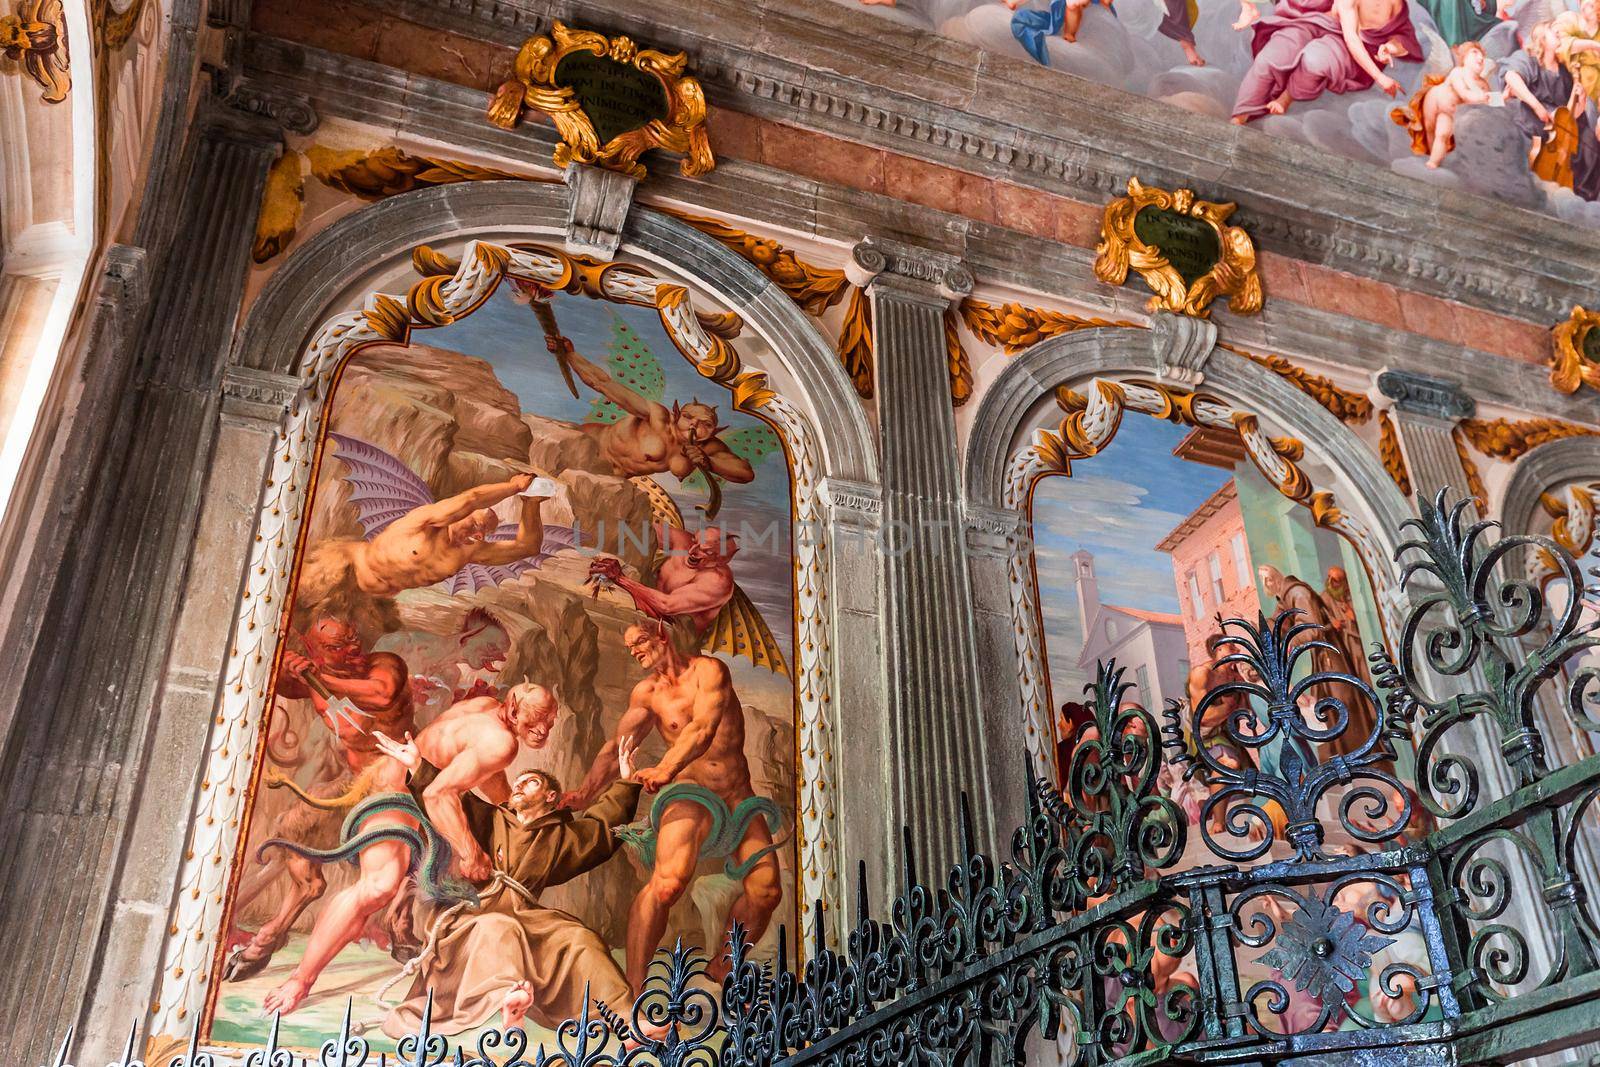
534 86
1568 368
1235 275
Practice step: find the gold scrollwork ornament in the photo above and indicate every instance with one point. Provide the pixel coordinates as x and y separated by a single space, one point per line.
1233 274
1573 363
681 129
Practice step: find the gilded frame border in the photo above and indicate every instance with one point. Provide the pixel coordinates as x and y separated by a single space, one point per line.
1569 368
534 86
1120 249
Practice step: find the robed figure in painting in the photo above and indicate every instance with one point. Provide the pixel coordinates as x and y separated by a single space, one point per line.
510 953
1293 594
1309 47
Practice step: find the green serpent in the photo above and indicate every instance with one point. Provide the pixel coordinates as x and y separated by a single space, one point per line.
727 828
430 852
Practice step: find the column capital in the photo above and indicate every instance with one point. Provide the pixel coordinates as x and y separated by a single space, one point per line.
879 263
247 109
1418 394
852 503
994 531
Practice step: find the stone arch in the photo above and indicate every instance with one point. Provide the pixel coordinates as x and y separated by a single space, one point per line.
1546 478
1015 403
312 302
316 277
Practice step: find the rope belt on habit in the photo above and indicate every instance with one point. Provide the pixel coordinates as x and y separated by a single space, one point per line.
498 880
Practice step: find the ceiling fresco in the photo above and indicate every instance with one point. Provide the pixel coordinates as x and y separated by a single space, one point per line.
1494 97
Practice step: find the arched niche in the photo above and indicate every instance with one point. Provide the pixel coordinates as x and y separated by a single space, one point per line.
1553 490
357 284
49 184
1006 454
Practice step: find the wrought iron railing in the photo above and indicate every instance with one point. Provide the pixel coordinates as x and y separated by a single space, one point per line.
1358 887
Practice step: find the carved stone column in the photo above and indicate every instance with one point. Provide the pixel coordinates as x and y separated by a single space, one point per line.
1425 413
936 738
78 750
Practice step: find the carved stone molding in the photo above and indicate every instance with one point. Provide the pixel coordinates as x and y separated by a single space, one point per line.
597 209
1418 394
958 109
262 99
994 532
1181 344
852 503
931 274
256 396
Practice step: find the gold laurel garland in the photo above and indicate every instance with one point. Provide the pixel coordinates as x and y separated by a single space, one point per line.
367 174
1469 468
1508 440
1394 461
1015 327
1350 408
282 200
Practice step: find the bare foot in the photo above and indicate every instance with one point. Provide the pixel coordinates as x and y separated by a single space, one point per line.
287 997
1248 14
1069 37
1433 164
1191 54
884 3
1279 104
1240 120
514 1008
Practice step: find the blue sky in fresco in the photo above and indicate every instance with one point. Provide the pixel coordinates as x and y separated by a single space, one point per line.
1117 505
507 335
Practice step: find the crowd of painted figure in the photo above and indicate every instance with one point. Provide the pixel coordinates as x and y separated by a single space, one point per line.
1303 49
1332 610
452 851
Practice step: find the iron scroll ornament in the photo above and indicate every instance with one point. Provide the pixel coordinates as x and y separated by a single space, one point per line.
1094 935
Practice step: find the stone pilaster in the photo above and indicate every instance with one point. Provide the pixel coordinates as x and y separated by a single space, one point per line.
936 743
77 757
852 517
996 537
1425 413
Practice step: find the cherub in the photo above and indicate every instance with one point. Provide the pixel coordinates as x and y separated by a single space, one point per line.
1431 116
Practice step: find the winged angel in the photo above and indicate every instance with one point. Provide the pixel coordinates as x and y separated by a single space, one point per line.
36 35
413 540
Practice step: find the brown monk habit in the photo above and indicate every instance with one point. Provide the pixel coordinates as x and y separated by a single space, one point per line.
477 955
1297 594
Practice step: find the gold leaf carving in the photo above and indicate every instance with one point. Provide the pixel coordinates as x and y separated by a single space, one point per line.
383 172
282 200
956 356
1349 407
682 131
1504 439
855 341
1394 461
1475 485
1569 368
1121 249
1015 327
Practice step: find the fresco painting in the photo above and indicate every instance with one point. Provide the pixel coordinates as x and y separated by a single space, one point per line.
1494 97
533 719
1141 552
